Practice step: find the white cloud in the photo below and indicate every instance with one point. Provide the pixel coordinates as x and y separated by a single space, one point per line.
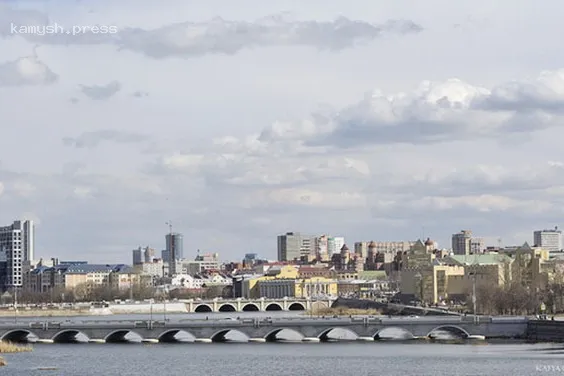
24 71
215 36
231 148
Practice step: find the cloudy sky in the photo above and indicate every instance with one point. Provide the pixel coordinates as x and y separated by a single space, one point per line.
384 120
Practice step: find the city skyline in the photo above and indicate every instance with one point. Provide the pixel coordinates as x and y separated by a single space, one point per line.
381 122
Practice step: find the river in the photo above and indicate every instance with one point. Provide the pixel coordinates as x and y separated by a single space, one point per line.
284 359
288 359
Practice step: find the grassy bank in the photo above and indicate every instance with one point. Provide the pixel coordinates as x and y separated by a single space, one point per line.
45 312
343 311
7 347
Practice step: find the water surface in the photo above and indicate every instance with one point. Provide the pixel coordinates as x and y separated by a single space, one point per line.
288 359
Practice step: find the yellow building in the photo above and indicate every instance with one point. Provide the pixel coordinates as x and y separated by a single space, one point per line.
452 277
485 270
430 283
92 275
250 287
277 288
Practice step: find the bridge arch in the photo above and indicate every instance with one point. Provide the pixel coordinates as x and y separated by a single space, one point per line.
18 335
451 329
393 332
272 336
221 336
201 308
250 307
227 307
325 335
172 335
296 306
68 336
274 307
120 336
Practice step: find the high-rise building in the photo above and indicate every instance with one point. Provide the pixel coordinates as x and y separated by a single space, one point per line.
175 249
334 244
321 251
293 245
461 242
148 254
137 256
17 243
550 240
143 255
165 255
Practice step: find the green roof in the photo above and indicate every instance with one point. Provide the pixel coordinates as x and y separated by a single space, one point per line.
488 259
372 274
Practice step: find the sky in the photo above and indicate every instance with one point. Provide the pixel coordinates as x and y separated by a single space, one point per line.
371 120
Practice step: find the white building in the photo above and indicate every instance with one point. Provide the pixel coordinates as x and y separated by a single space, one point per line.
187 281
157 268
321 248
477 245
17 242
550 240
334 244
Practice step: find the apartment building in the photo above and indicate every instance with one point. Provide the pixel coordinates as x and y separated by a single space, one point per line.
17 246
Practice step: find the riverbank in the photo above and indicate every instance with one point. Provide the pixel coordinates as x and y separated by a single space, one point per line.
7 347
344 311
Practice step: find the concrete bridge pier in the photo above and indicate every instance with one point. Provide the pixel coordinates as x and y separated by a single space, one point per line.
365 339
96 340
203 340
41 340
261 340
311 339
149 340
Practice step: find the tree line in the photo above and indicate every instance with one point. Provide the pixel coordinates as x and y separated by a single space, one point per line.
520 295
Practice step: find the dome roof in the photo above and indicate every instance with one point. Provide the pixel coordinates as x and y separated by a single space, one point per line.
372 244
429 242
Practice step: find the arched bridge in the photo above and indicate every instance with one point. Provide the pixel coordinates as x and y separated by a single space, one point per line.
256 305
262 329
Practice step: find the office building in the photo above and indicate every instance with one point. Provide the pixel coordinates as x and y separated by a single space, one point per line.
141 255
461 242
148 254
294 245
137 256
551 240
174 246
17 242
334 244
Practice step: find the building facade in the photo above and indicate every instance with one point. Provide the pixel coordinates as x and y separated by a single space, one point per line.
175 248
550 240
294 246
17 243
461 242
